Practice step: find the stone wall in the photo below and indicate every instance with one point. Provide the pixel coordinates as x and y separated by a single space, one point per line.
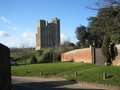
5 70
116 62
48 34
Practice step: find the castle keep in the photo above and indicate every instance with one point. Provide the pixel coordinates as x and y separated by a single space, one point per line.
48 34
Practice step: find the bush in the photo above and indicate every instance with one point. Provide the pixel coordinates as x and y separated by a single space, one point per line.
45 56
33 60
105 49
39 52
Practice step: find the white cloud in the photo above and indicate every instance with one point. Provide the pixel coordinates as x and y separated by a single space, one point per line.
29 38
3 34
27 34
64 37
4 19
26 38
14 28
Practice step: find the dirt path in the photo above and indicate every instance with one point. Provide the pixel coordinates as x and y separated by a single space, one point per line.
36 83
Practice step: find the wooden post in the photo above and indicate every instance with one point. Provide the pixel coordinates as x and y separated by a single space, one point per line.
12 71
93 53
76 74
104 76
53 56
40 73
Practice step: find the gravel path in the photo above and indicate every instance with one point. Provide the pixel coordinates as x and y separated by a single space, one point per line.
36 83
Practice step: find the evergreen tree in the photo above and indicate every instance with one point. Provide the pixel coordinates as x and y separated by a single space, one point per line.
83 36
106 22
33 60
105 49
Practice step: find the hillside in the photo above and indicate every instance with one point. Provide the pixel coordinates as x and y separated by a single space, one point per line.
24 55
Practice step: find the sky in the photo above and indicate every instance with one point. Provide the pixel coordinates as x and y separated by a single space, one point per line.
18 19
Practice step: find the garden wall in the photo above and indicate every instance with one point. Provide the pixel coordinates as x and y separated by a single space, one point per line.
5 70
116 62
78 55
89 55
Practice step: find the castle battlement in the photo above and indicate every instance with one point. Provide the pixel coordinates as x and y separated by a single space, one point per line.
48 34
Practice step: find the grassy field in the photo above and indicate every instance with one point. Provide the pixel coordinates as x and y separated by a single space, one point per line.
83 72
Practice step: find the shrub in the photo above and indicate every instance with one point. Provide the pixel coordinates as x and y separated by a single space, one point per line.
105 48
33 60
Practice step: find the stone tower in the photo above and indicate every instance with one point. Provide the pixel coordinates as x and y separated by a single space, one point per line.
48 34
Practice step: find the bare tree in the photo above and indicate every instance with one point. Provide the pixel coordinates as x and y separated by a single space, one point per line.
25 51
104 4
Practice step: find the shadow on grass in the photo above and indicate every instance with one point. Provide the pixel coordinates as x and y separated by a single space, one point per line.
47 85
109 76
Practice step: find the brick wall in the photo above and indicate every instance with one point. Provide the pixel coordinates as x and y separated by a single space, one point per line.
90 55
116 62
5 71
78 55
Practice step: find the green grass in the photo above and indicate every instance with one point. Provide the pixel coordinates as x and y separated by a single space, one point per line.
83 72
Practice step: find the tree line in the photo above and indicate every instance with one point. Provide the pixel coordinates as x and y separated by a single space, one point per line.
103 29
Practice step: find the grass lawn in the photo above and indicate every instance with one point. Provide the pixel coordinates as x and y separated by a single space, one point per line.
83 72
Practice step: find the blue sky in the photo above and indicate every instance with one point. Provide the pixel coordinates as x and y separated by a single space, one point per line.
18 18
